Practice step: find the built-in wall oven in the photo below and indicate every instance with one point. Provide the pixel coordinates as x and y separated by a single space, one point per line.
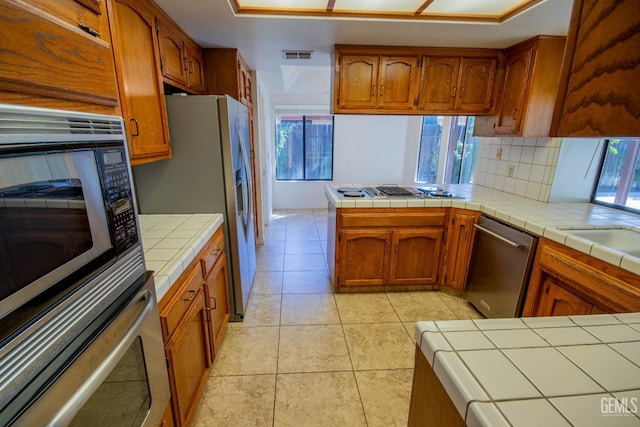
80 338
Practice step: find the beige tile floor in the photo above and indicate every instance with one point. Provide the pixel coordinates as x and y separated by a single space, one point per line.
305 356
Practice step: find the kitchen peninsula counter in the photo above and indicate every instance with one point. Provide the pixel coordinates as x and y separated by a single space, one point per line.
555 371
172 241
549 220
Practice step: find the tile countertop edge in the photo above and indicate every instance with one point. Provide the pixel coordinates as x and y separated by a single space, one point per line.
474 394
172 241
499 205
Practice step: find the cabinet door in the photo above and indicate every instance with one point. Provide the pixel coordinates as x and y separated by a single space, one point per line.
141 86
45 54
245 85
599 93
189 360
173 54
217 302
438 86
512 102
398 82
415 257
475 87
558 301
363 257
459 243
195 69
358 80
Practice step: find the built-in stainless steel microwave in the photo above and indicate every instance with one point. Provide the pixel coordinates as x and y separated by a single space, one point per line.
66 203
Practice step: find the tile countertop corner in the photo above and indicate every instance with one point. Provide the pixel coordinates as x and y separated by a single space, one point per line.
172 241
554 220
565 370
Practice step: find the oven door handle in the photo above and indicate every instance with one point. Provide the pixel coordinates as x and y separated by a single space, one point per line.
497 236
69 410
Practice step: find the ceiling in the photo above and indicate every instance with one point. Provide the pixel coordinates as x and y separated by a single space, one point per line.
261 38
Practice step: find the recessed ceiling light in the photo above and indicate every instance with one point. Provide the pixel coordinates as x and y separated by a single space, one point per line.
443 10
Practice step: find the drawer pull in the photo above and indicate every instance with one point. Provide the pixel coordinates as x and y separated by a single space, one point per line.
192 295
87 29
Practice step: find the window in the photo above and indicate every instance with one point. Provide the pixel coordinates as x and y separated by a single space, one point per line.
448 150
304 147
619 182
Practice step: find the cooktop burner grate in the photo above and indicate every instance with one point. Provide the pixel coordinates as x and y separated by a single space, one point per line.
394 191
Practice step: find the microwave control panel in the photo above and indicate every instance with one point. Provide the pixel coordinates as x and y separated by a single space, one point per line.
117 186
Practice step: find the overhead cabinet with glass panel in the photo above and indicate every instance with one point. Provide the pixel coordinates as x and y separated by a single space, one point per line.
414 80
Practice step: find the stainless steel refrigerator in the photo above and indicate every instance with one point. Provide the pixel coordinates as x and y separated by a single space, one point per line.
209 172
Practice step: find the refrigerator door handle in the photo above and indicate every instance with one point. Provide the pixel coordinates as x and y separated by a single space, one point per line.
246 199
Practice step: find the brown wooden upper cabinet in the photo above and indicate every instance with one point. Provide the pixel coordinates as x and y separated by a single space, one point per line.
58 55
454 84
527 91
140 80
181 59
599 91
378 82
413 80
226 72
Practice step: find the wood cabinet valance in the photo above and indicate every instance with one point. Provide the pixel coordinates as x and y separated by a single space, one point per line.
414 80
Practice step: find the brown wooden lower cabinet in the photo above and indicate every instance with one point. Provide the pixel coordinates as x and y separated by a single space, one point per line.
218 302
557 301
389 257
415 256
167 417
189 359
565 281
459 245
194 314
387 247
430 404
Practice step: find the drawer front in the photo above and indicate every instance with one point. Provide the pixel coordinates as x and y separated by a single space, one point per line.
181 301
388 219
213 253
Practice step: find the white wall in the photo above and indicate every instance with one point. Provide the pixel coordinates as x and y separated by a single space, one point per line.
367 150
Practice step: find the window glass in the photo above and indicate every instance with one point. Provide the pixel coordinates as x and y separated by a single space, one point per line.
619 181
448 150
304 147
429 152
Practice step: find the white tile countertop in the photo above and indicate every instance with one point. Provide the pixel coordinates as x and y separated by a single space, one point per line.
171 242
551 220
550 371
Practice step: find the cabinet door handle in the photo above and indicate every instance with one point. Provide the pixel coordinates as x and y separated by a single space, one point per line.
186 63
453 92
87 29
137 132
192 295
513 114
381 90
215 303
462 92
191 67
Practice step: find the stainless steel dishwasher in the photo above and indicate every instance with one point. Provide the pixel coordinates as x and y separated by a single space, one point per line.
499 269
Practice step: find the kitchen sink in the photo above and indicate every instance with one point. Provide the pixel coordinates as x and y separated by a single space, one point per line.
619 239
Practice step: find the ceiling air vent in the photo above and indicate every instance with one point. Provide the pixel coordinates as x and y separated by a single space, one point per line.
297 54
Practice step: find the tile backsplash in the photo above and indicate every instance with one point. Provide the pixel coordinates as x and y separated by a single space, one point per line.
522 166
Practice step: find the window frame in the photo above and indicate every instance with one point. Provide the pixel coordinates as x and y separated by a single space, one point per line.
596 183
304 147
